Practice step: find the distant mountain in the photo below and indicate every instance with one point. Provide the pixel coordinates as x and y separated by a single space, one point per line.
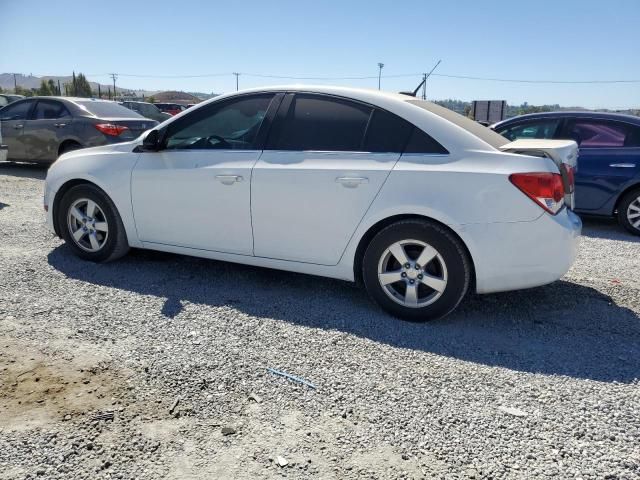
32 81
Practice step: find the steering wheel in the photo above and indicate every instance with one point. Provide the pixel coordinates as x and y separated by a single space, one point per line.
221 140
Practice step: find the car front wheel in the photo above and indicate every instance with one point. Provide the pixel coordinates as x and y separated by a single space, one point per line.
91 225
416 270
629 212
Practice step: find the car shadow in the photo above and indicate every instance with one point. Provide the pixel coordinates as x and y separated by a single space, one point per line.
25 170
559 329
606 228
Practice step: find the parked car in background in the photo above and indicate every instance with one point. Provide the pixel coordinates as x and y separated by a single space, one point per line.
3 149
170 108
147 110
420 203
608 174
40 129
6 99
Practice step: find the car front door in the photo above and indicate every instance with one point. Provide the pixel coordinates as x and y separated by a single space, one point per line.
195 191
608 159
48 125
317 177
12 121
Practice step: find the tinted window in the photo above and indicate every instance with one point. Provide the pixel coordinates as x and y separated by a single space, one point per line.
543 128
47 110
233 125
386 133
16 111
602 134
420 142
320 123
104 109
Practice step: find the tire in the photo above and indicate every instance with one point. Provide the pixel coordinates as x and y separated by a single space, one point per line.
447 271
629 211
68 147
104 224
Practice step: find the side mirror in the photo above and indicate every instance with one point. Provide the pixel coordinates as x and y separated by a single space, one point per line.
151 142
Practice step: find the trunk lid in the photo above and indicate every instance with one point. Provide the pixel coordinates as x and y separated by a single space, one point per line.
564 154
135 127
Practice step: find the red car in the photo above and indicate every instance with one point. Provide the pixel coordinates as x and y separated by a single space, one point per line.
170 108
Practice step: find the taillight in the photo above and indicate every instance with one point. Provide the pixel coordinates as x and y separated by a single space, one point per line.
571 177
544 188
111 129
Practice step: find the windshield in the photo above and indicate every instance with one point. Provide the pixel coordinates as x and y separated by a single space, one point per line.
483 133
108 109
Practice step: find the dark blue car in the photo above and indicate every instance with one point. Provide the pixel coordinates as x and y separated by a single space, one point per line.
608 176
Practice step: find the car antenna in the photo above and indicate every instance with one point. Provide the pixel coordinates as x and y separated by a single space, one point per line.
424 80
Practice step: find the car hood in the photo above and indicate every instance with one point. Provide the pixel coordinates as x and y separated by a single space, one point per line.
123 147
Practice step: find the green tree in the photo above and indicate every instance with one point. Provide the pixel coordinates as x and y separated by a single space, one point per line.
151 99
53 88
1 90
82 87
44 89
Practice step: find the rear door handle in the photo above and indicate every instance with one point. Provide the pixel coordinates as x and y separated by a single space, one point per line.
229 179
622 165
352 182
59 125
18 126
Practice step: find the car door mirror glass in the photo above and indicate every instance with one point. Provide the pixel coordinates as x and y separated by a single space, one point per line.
151 142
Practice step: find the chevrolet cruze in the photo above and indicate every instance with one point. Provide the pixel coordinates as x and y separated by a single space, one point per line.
418 203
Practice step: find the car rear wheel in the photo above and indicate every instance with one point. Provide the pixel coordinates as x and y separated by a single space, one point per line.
416 270
629 212
91 225
68 146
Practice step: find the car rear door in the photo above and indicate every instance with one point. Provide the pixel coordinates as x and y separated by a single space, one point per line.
48 125
608 159
195 191
316 179
13 118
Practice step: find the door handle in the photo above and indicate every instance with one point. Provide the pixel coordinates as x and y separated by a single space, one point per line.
59 125
18 126
229 179
622 165
352 182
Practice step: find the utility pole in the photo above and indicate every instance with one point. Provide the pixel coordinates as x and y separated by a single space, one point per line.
237 75
380 67
15 84
114 76
59 90
99 92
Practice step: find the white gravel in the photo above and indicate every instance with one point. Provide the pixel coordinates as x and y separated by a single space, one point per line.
533 384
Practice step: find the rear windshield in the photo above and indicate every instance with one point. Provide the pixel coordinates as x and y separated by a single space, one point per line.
108 109
483 133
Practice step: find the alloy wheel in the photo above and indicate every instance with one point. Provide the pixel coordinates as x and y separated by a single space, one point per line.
412 273
633 213
88 225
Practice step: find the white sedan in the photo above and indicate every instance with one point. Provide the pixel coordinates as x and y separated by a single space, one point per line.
420 204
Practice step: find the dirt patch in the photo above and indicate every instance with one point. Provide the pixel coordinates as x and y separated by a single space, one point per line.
38 388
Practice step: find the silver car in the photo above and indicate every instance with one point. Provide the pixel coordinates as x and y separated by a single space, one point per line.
40 129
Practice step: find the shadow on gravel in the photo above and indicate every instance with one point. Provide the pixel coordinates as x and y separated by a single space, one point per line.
26 170
559 329
606 228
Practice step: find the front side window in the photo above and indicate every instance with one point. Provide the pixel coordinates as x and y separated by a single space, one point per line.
233 125
590 133
532 129
17 111
319 123
49 110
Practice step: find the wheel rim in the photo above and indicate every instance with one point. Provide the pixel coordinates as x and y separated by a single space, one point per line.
87 225
633 213
412 273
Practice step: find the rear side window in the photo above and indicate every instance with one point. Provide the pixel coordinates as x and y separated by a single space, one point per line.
589 133
543 128
319 123
49 110
16 111
386 133
421 142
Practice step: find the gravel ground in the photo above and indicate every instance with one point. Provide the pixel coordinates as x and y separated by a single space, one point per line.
155 366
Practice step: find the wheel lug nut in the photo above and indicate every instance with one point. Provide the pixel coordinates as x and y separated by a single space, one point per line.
403 275
420 277
406 265
417 267
411 282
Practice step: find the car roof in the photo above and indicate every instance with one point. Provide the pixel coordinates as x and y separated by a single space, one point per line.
622 117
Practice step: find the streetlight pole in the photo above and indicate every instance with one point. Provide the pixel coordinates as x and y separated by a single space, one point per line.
114 76
380 67
237 76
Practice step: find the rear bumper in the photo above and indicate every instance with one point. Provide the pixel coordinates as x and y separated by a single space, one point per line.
512 256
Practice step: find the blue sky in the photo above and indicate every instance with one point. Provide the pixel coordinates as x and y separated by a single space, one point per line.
538 40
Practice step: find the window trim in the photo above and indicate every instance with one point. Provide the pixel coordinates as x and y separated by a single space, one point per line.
259 141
